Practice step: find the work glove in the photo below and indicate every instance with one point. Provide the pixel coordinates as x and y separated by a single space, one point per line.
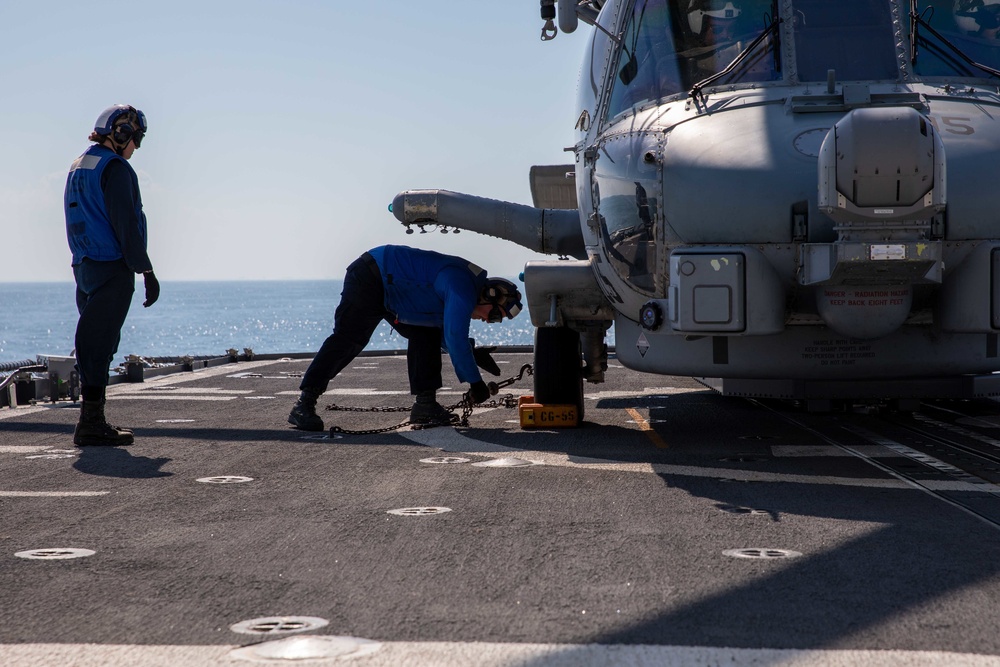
483 358
152 289
479 392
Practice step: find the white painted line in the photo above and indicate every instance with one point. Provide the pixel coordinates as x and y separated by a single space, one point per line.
647 392
115 390
807 450
191 376
23 449
349 392
52 494
169 397
829 450
970 482
448 439
171 391
992 442
956 485
483 654
22 411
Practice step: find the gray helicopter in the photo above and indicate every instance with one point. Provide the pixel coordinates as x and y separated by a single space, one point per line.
788 198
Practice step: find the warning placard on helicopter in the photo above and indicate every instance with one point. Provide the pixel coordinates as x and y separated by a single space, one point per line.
843 352
890 251
866 297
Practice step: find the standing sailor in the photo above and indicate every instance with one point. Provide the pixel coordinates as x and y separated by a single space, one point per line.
430 299
106 229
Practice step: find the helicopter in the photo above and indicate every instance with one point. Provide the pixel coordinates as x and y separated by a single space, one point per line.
791 199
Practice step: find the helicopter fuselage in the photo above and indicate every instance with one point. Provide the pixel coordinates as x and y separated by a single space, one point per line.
817 203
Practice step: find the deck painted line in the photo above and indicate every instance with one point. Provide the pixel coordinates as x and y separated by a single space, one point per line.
350 392
449 440
828 450
169 397
170 390
23 449
647 392
645 427
25 410
199 374
484 654
52 494
365 391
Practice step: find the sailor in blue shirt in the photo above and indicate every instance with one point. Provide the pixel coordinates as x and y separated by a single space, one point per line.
106 229
430 299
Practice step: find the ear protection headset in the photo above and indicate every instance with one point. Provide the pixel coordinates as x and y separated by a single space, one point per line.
122 133
503 296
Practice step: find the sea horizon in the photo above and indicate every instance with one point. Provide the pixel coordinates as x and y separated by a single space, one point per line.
206 318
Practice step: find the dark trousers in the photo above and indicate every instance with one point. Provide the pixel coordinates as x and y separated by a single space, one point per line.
103 296
362 307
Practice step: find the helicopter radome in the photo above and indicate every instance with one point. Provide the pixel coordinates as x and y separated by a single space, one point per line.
788 198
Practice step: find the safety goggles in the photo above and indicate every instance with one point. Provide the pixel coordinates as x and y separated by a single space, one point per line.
141 131
509 308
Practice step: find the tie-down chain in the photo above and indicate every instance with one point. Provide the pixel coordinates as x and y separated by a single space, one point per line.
466 404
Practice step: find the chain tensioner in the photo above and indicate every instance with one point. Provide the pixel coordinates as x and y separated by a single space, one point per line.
466 404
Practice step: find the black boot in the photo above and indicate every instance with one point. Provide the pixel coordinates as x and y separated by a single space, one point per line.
117 428
426 410
93 430
303 415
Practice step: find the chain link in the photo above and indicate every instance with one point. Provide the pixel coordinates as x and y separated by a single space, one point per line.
466 404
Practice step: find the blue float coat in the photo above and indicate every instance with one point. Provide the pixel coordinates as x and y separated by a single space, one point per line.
427 288
104 218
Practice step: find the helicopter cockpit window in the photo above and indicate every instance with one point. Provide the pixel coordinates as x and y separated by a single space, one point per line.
669 45
852 37
592 70
969 28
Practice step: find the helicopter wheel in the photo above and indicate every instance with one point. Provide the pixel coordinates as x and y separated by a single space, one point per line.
558 371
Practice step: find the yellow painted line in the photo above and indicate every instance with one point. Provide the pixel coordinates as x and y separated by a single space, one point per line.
647 429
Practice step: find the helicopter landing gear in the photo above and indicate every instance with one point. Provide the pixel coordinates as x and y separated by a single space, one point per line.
558 368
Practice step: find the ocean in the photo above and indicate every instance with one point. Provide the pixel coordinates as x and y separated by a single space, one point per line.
206 319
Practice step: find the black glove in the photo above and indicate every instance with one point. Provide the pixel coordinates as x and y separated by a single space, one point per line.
152 289
479 392
483 358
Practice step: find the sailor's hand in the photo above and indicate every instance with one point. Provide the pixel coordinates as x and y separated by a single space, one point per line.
479 392
483 358
152 288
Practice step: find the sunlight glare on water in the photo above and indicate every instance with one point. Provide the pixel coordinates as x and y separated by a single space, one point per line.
206 319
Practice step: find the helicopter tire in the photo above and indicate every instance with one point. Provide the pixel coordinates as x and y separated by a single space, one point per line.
558 368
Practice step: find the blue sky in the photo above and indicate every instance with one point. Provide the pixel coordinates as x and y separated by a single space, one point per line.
280 131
